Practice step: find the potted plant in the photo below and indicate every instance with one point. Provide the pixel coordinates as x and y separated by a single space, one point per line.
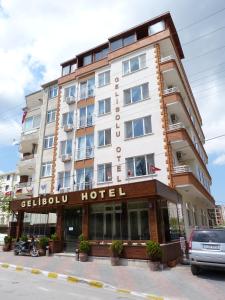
7 243
55 245
24 238
116 249
84 248
43 243
155 254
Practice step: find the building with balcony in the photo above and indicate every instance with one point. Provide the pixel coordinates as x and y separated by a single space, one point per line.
8 185
114 147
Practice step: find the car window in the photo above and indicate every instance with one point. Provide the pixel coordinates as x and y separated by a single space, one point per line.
209 236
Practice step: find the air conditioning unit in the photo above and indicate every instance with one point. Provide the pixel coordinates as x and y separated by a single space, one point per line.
174 118
179 155
68 127
70 99
66 157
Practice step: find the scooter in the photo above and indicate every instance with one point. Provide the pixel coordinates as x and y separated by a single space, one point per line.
26 248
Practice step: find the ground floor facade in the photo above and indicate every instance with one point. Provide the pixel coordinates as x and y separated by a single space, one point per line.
134 213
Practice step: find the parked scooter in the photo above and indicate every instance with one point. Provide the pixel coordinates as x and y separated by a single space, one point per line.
26 248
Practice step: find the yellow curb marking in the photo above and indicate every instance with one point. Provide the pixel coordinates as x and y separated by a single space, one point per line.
5 265
153 297
96 284
123 291
35 271
52 275
19 268
72 279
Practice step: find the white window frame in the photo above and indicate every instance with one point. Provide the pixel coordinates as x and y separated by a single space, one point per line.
46 167
134 168
104 104
129 64
87 95
86 123
48 139
53 92
143 124
69 88
104 130
104 165
68 118
131 89
63 179
80 185
104 74
32 127
66 142
86 149
51 113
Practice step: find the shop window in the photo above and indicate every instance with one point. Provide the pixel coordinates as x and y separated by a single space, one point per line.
174 226
104 106
134 64
138 127
136 94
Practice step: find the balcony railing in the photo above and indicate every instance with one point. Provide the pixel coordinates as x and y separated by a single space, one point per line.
171 90
84 186
84 153
176 126
181 169
86 122
24 184
166 58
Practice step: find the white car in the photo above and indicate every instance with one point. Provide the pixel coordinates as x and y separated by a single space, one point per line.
2 236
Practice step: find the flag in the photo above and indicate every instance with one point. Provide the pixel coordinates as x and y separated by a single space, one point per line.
153 169
24 116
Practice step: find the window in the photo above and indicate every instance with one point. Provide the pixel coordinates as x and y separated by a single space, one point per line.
66 147
103 78
86 116
51 115
53 91
104 137
104 106
104 172
63 180
85 147
49 142
101 54
8 177
139 165
87 88
134 64
135 94
46 169
122 42
67 118
70 91
157 27
32 123
87 60
84 178
65 70
6 187
138 127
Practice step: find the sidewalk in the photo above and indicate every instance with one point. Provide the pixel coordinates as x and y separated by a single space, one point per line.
175 283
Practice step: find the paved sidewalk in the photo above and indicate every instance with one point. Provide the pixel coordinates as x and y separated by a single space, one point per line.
175 283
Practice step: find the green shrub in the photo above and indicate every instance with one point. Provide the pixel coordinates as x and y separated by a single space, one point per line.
81 238
54 237
84 246
116 247
7 239
43 242
154 251
24 238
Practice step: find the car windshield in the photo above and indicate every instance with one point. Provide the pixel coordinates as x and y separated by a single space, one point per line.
212 236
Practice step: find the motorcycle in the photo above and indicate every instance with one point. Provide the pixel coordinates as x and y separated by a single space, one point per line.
26 248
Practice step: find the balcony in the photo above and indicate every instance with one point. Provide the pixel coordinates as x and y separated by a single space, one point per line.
84 153
176 126
186 182
26 165
167 58
86 122
24 189
28 139
171 90
84 186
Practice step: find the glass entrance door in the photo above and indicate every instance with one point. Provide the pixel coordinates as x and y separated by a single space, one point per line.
72 228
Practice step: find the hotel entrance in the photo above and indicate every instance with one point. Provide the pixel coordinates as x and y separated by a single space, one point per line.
72 228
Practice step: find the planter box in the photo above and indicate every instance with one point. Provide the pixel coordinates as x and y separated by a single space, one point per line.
55 246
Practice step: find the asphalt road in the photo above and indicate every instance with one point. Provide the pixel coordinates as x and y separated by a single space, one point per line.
23 285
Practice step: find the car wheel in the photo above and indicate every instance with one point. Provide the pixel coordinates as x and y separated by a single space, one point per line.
195 270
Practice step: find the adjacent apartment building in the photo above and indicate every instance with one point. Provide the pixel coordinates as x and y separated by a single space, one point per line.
115 145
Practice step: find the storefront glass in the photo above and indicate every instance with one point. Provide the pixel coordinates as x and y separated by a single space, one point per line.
39 224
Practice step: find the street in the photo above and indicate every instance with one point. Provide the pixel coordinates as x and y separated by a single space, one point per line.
21 285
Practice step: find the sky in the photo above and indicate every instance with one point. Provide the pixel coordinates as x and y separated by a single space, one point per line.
36 36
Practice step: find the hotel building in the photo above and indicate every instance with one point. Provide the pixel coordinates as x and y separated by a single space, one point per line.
114 148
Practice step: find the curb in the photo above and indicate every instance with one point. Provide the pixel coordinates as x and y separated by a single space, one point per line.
73 280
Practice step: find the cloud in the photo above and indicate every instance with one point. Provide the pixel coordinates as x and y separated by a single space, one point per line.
220 160
10 130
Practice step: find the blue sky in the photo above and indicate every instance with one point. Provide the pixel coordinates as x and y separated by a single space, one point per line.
36 37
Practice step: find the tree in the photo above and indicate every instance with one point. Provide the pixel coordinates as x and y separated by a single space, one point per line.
4 201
